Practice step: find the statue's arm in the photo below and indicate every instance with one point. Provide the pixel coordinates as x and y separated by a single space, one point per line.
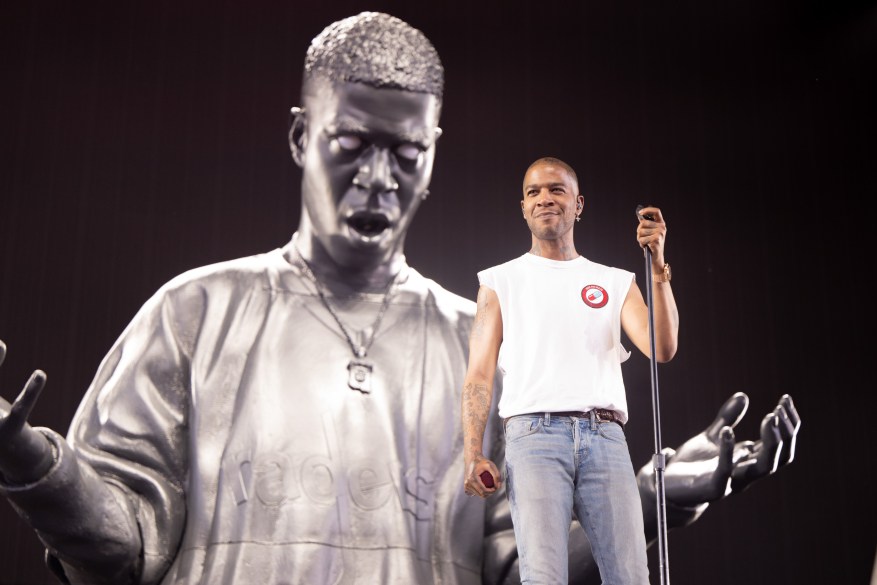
67 503
111 507
710 465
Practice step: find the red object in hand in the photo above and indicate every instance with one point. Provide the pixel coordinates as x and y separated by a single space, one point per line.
486 479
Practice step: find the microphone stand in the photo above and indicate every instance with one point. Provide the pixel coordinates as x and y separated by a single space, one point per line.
658 459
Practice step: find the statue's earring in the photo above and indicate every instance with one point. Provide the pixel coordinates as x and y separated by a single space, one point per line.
424 195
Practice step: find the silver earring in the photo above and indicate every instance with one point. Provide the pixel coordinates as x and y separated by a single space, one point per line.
425 194
578 218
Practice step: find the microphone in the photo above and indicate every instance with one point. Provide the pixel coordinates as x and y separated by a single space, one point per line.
647 216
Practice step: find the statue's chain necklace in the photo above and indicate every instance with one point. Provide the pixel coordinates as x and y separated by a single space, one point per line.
359 368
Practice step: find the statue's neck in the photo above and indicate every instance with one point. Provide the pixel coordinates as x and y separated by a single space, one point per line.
343 280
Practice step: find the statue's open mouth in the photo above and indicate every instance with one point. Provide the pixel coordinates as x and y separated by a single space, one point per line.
368 224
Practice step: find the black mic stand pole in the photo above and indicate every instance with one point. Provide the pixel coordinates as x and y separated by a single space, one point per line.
658 459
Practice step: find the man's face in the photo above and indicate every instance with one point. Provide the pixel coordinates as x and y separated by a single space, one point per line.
551 201
367 159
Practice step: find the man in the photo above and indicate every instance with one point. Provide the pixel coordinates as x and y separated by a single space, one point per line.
552 320
290 417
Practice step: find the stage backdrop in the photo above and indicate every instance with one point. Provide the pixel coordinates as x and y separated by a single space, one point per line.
143 139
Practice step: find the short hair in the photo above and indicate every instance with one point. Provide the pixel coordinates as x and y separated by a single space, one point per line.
376 49
550 160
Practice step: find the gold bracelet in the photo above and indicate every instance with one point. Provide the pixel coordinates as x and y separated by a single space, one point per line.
663 276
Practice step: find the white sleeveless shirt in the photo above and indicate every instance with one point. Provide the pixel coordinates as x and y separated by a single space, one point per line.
561 334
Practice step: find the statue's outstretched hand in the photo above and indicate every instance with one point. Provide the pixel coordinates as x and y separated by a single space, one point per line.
709 466
25 454
699 471
754 460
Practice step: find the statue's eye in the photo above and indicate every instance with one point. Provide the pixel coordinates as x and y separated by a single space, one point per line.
349 142
408 151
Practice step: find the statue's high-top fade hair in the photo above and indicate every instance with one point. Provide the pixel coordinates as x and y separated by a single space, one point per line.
376 49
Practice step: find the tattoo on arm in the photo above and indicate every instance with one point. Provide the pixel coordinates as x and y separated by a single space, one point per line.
480 316
476 407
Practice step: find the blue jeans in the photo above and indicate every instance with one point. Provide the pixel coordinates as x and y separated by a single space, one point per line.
559 464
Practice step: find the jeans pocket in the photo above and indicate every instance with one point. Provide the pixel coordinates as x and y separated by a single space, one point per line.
611 431
519 427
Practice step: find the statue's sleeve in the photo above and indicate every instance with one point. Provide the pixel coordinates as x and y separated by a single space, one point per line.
112 508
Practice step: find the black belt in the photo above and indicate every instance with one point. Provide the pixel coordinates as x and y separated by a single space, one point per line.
601 414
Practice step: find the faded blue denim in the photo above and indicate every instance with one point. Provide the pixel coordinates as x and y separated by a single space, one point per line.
559 464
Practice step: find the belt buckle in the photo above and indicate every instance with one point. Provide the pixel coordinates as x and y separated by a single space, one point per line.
603 415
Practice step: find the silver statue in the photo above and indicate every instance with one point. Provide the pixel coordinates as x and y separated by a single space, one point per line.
293 417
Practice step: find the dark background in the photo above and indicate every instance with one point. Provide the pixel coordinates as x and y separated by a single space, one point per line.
143 139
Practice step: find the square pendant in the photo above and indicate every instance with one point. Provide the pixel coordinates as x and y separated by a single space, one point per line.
359 375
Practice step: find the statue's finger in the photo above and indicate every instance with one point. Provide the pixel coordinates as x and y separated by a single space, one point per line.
771 444
788 433
729 414
25 402
726 457
789 406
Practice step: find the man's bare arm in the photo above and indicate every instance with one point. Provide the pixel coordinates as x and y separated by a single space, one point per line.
634 313
484 342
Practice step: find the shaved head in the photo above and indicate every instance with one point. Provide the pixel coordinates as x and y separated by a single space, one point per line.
551 161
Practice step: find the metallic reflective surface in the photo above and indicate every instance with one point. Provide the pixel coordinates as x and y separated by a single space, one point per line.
226 401
379 50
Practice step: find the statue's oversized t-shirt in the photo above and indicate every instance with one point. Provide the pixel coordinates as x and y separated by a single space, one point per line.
223 417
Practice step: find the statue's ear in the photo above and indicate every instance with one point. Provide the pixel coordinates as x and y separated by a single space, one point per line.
298 136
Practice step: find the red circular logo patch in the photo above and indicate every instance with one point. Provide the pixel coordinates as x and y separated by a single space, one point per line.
595 296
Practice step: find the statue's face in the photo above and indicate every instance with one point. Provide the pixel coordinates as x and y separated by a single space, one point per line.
366 157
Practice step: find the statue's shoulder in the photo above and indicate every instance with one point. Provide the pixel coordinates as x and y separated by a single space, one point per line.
241 272
220 285
447 303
